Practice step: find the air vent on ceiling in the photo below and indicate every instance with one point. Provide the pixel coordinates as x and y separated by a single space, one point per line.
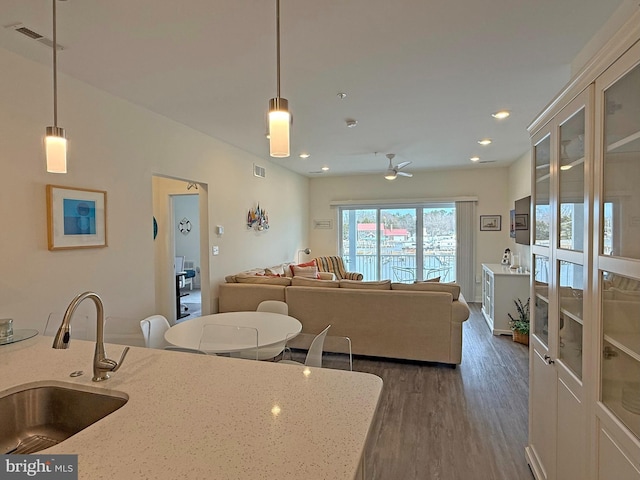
259 171
487 161
27 32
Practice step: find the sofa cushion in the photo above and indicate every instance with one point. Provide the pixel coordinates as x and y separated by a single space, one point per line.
307 272
268 280
381 285
312 282
452 288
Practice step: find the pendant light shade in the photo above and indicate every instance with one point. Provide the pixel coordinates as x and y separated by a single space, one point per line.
55 142
279 116
279 121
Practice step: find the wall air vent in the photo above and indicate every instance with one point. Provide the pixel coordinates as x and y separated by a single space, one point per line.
27 32
259 171
323 224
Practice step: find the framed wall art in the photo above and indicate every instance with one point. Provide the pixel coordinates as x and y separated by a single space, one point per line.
76 218
490 223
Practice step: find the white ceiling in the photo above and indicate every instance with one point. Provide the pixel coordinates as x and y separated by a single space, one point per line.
422 76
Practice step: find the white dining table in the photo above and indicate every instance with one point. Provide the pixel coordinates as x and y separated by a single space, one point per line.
274 330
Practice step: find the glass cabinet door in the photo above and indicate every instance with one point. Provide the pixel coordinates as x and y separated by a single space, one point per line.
571 284
541 304
619 249
542 162
570 228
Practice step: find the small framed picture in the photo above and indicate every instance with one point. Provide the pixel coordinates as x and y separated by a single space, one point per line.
522 221
76 218
491 223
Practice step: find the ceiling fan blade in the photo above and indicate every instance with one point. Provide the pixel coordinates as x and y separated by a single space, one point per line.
402 165
405 174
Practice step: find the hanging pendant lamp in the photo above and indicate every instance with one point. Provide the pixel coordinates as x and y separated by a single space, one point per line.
279 116
55 140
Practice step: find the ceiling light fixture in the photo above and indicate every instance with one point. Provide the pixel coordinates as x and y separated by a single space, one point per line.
341 95
485 141
475 159
279 116
351 123
55 142
305 155
502 114
325 169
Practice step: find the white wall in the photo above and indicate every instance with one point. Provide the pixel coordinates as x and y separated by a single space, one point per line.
118 147
490 185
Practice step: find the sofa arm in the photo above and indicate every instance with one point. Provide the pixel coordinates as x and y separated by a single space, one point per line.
353 276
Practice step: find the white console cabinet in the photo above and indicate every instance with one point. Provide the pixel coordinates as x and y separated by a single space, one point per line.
501 286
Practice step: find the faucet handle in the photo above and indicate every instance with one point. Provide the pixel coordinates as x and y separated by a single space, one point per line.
119 363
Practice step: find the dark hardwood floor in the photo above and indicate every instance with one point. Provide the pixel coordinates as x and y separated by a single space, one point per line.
468 423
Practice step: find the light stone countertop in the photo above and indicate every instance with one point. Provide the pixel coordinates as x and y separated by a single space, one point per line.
206 417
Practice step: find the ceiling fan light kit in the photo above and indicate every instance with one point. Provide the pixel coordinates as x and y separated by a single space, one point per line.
393 172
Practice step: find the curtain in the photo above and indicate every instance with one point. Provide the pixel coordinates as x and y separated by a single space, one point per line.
465 275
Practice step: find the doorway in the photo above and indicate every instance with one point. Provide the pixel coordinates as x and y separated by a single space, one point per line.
180 214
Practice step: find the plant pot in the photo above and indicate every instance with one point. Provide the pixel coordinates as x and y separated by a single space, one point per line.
520 337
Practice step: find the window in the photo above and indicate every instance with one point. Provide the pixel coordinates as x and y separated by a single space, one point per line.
401 243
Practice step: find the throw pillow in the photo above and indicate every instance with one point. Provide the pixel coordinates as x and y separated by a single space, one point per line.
283 281
307 272
312 263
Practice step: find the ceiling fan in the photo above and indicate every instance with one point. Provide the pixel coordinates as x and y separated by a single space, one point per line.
392 172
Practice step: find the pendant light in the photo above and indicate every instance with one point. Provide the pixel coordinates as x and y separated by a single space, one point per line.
279 116
55 141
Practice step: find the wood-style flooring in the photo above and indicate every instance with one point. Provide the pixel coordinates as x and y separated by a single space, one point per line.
467 423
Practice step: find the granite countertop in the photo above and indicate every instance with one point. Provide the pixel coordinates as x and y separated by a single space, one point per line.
206 417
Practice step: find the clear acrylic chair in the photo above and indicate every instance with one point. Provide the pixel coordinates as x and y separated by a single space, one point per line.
80 326
153 330
229 340
313 357
123 331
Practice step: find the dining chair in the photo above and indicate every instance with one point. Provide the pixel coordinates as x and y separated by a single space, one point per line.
314 354
123 331
80 326
229 340
273 306
153 330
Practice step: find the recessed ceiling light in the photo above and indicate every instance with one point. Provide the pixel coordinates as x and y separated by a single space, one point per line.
324 169
475 159
501 114
342 95
351 123
484 141
305 155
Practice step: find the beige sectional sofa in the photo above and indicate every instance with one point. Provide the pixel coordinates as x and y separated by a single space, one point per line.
383 319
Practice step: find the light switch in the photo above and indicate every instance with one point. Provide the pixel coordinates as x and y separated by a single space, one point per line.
215 250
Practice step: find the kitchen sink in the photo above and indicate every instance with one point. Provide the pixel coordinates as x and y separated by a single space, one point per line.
38 416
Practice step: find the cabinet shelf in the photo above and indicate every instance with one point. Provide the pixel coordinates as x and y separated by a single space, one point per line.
627 144
627 342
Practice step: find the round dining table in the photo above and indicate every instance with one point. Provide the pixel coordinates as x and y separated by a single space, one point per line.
273 329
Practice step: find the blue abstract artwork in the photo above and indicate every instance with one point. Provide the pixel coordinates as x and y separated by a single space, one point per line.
79 217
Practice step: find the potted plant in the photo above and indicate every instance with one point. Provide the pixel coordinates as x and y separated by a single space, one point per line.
520 325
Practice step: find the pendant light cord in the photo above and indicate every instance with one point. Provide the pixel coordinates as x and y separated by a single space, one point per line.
277 47
55 69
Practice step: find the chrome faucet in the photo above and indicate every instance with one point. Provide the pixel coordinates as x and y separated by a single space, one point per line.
101 364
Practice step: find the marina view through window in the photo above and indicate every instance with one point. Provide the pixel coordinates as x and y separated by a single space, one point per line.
403 244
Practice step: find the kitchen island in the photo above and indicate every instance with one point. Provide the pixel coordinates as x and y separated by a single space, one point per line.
206 417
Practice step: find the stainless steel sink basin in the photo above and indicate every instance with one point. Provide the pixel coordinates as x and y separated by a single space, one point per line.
38 416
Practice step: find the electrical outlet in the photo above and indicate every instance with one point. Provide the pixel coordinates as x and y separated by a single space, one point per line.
215 250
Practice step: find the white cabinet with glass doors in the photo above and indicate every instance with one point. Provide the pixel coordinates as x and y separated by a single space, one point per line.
584 404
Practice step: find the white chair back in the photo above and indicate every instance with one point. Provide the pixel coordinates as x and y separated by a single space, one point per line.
153 330
273 306
185 350
230 339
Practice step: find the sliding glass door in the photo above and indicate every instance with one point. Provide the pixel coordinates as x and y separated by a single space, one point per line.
403 244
